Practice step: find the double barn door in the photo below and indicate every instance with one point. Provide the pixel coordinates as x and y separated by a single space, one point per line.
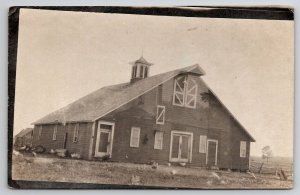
181 146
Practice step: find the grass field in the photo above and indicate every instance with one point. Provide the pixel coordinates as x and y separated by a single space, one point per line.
50 168
273 164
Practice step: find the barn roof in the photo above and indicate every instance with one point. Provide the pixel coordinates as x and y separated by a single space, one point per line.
24 132
107 99
103 101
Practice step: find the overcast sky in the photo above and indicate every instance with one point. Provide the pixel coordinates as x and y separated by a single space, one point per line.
249 64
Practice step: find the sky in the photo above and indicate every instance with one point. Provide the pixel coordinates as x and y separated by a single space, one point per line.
249 64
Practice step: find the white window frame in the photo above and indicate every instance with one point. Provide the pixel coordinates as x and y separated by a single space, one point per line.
159 115
243 144
76 133
99 130
131 137
54 136
194 96
207 145
185 92
156 146
202 142
190 142
182 92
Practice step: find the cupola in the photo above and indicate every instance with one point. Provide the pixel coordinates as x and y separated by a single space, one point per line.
140 69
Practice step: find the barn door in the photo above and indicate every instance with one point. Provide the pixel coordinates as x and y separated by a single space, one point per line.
212 152
181 147
104 140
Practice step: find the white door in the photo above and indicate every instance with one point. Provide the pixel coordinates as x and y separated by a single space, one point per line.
212 152
104 141
181 146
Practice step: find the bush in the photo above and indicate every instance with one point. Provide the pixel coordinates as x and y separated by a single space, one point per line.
39 149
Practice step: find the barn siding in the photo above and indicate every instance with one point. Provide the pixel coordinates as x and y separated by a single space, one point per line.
81 147
210 119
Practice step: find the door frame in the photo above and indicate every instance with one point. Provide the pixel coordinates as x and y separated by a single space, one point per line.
207 145
97 154
190 151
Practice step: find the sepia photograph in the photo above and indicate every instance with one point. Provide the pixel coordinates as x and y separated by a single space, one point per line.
158 98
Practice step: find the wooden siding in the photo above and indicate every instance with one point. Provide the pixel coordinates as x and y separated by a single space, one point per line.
210 119
207 119
81 146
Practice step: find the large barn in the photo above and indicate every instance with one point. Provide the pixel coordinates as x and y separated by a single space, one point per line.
173 117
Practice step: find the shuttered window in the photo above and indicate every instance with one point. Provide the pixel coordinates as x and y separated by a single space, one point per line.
158 141
160 115
54 132
202 144
243 149
40 132
185 92
76 132
135 137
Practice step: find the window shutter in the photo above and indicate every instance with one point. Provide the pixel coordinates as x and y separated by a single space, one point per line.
158 141
76 132
160 115
202 144
40 131
54 132
191 94
243 149
135 137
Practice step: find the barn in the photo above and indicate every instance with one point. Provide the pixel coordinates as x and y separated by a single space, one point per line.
173 117
24 138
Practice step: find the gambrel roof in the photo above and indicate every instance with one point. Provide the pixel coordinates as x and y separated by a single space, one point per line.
107 99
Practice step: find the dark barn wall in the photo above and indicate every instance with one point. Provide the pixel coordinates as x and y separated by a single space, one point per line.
238 162
209 119
45 139
81 146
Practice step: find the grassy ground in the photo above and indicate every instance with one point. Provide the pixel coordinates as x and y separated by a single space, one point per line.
43 168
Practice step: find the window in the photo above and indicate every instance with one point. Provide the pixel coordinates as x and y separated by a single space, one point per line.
160 115
40 132
202 144
243 147
191 94
158 141
179 90
133 71
54 132
185 92
76 132
135 137
141 71
146 72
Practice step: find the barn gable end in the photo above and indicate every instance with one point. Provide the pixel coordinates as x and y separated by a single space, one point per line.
170 117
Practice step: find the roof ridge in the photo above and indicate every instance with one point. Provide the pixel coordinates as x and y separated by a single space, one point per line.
115 94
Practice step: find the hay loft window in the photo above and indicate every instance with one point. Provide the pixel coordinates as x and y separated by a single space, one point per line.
160 115
135 137
185 92
76 132
54 133
243 149
202 144
158 140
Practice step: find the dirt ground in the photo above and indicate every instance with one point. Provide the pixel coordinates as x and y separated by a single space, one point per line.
46 168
